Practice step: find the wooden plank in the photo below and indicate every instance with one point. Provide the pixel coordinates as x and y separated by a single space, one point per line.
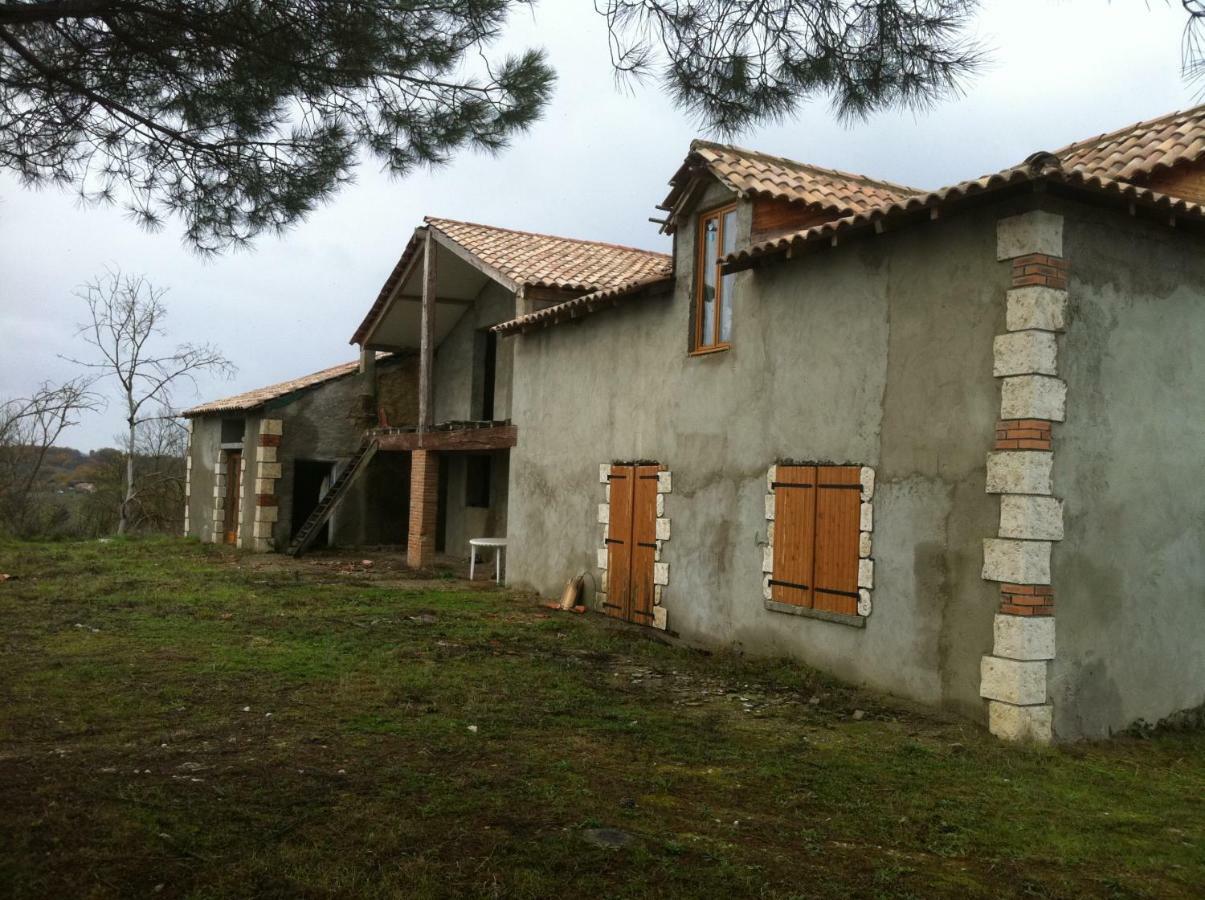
234 460
794 518
838 504
644 544
498 437
426 345
773 217
619 542
1185 180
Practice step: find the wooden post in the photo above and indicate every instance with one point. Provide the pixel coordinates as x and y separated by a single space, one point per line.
426 387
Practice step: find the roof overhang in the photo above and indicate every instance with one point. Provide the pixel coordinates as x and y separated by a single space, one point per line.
1035 175
394 322
583 306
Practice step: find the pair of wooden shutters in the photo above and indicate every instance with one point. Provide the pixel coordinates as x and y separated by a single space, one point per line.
632 543
816 532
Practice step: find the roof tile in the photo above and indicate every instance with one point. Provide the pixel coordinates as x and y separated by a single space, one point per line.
1141 149
249 400
543 260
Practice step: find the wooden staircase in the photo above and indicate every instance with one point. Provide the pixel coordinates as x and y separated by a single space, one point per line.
355 466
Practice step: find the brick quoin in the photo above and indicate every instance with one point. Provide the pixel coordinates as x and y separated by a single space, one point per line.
1023 434
269 440
424 506
1041 270
1027 599
266 500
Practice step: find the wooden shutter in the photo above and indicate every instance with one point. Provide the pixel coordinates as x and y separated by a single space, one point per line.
794 523
838 509
644 544
619 541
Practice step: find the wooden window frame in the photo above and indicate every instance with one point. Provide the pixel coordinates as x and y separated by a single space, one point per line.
698 348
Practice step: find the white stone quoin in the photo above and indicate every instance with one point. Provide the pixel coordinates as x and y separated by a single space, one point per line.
1019 472
864 603
1031 517
866 573
1044 308
866 477
1021 723
1016 562
1020 682
1031 232
1033 397
1024 353
1023 637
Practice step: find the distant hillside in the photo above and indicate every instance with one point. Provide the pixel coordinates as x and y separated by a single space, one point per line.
66 465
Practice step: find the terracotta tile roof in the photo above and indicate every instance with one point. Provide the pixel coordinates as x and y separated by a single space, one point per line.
1141 149
760 174
532 260
544 260
580 306
1040 166
249 400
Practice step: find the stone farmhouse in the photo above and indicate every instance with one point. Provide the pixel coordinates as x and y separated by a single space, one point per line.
947 444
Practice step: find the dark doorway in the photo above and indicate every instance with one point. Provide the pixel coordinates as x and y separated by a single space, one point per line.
234 490
487 382
310 481
441 511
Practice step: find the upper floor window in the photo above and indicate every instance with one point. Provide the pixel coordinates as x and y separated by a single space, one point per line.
714 291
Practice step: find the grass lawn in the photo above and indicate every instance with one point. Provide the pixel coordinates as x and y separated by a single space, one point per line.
179 720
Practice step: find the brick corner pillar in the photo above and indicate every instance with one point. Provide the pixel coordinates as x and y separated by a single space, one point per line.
424 506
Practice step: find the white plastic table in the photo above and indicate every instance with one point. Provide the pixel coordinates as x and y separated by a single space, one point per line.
499 544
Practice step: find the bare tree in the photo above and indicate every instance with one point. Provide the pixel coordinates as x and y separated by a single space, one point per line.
127 314
159 496
29 427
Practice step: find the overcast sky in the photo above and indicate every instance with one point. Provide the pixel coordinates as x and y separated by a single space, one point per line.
595 167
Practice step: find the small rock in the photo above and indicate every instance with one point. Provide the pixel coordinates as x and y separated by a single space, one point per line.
609 838
815 701
859 715
246 709
366 563
473 728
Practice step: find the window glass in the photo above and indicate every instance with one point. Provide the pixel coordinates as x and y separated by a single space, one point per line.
707 307
727 283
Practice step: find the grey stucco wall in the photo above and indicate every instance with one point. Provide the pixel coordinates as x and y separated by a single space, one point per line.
464 521
879 354
455 369
203 451
1129 575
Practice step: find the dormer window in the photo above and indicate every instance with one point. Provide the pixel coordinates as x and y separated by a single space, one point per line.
714 291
